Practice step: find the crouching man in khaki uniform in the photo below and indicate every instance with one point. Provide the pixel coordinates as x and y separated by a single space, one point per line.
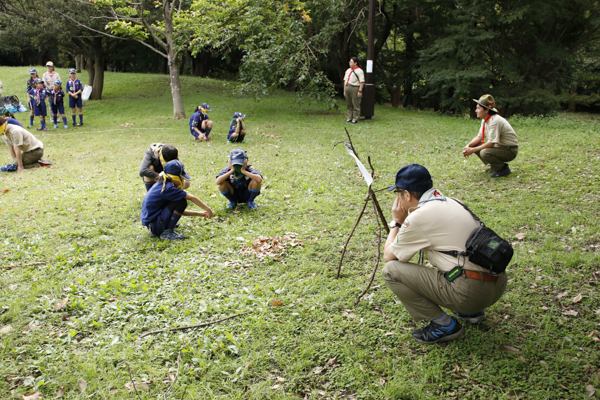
425 220
25 149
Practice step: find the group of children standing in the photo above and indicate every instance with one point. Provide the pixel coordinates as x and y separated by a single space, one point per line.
201 125
38 90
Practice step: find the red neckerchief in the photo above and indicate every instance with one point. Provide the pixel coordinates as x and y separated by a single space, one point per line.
350 74
72 86
483 130
55 93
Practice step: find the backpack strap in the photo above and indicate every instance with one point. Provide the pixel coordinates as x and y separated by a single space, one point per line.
455 253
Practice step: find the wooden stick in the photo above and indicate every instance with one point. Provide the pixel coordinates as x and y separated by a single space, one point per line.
193 326
132 381
350 237
351 145
377 207
177 374
376 264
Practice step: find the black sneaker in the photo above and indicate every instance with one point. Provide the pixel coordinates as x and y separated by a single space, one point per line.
474 318
503 172
434 333
489 170
353 122
349 121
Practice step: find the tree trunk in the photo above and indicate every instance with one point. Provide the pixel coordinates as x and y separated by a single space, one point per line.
572 104
178 111
42 56
99 62
396 95
77 63
89 66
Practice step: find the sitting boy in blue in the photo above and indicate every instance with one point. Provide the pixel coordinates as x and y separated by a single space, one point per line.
239 182
237 128
165 203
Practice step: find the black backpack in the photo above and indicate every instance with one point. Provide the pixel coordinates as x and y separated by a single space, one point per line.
484 247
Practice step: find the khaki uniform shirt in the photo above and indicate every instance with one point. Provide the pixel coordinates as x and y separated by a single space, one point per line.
354 80
17 136
49 80
499 132
438 223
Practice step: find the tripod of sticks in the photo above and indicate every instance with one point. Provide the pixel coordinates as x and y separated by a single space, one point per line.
381 222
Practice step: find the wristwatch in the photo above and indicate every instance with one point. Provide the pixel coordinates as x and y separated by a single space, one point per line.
394 224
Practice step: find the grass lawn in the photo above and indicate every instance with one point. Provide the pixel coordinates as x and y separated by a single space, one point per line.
70 236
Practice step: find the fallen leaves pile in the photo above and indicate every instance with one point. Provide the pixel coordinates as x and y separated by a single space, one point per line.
275 247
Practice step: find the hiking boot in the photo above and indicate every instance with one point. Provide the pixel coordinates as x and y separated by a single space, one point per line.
9 168
55 126
503 172
434 333
231 205
474 318
252 205
170 234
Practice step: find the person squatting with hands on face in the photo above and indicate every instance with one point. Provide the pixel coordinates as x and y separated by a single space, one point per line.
200 124
239 182
154 161
237 128
426 220
501 146
166 202
38 100
74 89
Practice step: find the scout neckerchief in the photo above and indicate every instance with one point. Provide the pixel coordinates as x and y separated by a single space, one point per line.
483 130
3 128
160 156
73 85
176 178
37 96
56 93
350 74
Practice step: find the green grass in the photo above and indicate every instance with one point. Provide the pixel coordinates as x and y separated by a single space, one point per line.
79 221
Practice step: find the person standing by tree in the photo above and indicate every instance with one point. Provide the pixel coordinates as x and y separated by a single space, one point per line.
354 81
502 144
74 89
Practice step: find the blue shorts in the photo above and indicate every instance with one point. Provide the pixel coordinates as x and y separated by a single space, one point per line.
40 109
159 225
194 133
239 138
75 102
242 194
60 109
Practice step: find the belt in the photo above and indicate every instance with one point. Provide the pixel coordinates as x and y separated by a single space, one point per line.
481 276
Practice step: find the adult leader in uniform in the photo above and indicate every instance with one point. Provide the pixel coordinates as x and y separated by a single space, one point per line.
426 220
496 143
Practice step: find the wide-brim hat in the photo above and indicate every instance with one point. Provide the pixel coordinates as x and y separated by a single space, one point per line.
49 64
486 101
414 178
176 167
237 156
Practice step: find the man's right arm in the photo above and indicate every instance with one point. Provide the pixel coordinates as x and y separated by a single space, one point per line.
144 170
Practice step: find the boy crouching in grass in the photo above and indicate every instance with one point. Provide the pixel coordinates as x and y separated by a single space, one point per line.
166 202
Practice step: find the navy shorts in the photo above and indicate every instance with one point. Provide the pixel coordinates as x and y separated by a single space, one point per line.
194 133
57 109
241 194
157 227
240 138
40 109
75 102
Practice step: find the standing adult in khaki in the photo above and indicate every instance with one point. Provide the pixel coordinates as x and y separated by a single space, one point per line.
49 77
354 81
501 146
426 220
24 148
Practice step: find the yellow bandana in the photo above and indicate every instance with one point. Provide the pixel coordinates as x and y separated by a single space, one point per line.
204 110
162 159
174 178
3 128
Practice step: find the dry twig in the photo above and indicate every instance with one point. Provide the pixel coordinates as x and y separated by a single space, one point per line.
376 264
193 326
133 382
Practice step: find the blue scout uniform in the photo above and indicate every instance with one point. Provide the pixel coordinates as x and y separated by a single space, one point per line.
155 213
30 86
13 121
196 121
57 101
72 87
240 187
233 127
38 101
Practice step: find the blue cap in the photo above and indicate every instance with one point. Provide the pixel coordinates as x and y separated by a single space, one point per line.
175 167
72 71
414 178
205 106
38 80
57 82
238 114
32 70
237 156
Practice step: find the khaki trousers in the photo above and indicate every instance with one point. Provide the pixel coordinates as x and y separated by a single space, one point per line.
497 156
352 102
30 158
423 290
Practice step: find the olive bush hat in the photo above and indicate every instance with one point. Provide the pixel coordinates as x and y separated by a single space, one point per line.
486 101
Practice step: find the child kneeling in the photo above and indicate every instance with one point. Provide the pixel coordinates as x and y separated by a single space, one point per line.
166 202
